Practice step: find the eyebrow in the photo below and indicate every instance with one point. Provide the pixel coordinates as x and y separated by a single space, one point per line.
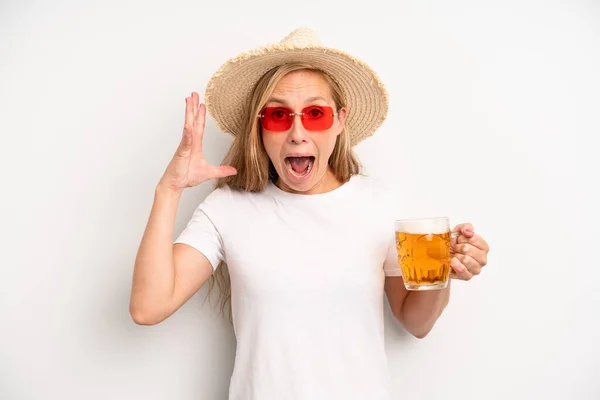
282 101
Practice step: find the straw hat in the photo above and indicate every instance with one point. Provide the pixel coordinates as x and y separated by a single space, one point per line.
229 89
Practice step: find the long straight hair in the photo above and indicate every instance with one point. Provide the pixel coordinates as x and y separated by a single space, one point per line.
254 168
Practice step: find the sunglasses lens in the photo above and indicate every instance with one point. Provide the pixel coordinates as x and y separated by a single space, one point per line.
276 119
317 118
314 118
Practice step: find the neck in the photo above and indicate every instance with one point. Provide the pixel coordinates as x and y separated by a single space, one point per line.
324 184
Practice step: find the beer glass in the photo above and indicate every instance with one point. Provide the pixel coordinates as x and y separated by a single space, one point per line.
423 246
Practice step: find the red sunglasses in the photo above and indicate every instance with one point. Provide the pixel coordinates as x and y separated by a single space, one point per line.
314 118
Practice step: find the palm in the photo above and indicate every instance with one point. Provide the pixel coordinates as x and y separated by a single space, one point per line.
189 167
199 170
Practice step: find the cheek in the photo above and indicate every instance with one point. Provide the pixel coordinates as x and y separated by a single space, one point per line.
272 143
326 144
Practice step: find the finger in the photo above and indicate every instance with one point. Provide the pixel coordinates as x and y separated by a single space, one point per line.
195 101
189 114
480 243
467 249
199 129
472 266
185 145
460 270
460 233
476 241
465 229
221 171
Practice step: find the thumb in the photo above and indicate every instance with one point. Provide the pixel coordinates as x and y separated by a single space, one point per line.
222 171
465 230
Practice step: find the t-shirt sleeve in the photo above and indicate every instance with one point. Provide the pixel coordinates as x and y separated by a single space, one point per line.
390 206
391 266
202 230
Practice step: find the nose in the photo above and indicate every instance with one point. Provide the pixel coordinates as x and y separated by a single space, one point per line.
297 133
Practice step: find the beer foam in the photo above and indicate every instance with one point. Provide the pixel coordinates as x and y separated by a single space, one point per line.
423 226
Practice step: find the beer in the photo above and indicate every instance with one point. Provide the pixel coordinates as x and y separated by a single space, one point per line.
424 252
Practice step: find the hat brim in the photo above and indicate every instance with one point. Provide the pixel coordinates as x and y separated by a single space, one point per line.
230 88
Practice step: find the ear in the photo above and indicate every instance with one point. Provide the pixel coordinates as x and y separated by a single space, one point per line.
342 114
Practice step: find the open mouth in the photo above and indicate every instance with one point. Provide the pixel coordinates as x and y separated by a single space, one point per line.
299 167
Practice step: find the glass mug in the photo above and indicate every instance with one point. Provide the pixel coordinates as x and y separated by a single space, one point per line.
423 246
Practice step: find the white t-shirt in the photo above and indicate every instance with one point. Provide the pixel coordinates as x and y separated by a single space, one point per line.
307 275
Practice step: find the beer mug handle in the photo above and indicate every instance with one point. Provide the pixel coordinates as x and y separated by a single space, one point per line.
453 239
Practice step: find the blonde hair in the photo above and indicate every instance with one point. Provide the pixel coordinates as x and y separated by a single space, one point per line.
254 168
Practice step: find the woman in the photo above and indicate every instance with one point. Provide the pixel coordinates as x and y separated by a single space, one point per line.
307 240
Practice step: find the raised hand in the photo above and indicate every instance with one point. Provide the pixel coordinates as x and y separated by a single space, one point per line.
189 167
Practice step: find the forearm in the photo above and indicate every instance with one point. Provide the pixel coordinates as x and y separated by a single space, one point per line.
154 272
421 309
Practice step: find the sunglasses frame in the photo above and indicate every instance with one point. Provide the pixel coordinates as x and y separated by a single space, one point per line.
292 115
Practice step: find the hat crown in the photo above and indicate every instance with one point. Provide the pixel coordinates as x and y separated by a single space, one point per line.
302 37
229 90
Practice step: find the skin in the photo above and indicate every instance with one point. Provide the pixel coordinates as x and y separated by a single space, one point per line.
297 90
166 275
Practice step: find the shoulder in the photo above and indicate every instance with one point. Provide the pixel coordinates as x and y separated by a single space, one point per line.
217 201
217 196
225 199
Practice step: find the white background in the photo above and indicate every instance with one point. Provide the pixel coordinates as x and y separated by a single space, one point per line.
494 119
